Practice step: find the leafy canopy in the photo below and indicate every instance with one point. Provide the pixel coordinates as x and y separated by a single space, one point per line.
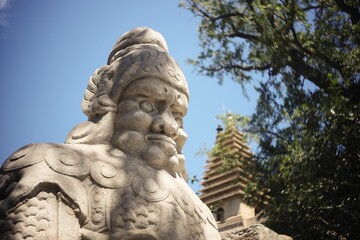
307 117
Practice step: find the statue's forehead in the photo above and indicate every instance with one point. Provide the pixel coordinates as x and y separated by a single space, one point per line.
153 87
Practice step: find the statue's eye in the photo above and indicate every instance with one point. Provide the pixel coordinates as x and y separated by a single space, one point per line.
147 106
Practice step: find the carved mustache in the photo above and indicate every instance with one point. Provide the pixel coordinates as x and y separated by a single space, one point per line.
160 137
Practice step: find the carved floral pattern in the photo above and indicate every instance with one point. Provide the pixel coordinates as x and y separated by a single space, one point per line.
97 207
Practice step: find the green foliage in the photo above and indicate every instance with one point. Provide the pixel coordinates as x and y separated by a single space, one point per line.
307 120
231 122
214 207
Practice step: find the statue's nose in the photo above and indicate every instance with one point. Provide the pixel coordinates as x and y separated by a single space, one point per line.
165 123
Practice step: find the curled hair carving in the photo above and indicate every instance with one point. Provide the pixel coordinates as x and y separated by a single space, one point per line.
96 101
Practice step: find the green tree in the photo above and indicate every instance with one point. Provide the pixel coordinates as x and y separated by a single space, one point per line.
307 117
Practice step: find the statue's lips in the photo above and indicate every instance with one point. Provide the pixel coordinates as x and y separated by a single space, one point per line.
160 137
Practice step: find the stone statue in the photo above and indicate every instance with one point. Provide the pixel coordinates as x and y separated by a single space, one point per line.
121 174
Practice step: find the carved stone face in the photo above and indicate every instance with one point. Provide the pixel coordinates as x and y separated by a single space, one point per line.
148 123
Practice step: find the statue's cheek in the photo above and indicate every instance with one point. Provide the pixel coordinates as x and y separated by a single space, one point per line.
136 121
131 142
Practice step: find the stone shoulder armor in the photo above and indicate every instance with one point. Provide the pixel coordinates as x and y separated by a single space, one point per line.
24 157
36 167
43 167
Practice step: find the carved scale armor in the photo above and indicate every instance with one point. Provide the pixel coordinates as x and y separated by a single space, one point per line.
67 191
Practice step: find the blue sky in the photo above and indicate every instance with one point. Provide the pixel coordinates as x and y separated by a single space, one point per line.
49 49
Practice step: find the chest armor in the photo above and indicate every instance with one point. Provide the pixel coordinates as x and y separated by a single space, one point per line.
100 195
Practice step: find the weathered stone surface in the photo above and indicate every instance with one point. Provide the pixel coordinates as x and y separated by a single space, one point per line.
121 174
253 232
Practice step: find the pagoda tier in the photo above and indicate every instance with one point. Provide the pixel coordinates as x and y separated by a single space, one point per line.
217 184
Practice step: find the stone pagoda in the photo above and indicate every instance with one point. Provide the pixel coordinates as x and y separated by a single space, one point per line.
224 184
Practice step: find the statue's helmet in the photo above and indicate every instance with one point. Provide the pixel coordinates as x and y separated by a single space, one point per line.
139 53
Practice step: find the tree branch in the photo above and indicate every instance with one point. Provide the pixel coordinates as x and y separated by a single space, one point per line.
309 72
243 35
310 8
352 11
236 66
318 54
227 15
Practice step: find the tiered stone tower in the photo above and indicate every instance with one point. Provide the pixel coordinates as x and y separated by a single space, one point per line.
223 190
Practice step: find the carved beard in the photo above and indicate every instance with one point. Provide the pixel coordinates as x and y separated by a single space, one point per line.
162 156
157 154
